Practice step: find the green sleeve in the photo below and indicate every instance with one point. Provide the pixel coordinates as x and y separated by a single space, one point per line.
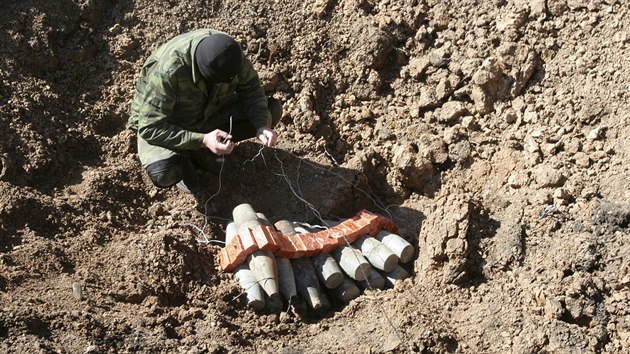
157 106
253 96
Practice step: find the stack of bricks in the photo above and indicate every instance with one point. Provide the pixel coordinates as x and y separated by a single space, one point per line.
267 238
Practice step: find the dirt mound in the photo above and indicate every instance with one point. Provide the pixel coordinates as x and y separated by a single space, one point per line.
492 132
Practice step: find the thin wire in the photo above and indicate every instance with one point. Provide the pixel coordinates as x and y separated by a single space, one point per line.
331 156
370 196
373 198
289 305
206 241
260 153
253 284
205 205
306 202
298 176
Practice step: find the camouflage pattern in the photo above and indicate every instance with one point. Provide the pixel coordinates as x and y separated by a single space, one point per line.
174 106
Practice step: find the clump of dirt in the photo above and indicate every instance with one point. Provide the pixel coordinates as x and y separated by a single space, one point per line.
493 133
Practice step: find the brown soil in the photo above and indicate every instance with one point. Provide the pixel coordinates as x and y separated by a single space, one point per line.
494 131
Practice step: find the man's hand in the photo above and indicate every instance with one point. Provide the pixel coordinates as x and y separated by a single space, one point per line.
219 142
268 136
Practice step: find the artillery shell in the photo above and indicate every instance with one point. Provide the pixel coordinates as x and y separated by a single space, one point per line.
379 255
398 245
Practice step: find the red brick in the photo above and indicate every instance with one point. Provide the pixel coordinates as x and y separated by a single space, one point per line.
329 245
224 260
248 242
278 238
235 252
298 246
241 255
368 214
388 224
356 231
329 242
338 232
264 238
377 222
351 238
318 242
364 220
312 246
286 249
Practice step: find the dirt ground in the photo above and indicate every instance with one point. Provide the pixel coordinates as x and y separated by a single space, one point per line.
492 132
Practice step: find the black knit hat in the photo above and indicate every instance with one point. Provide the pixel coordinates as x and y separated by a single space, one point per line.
219 57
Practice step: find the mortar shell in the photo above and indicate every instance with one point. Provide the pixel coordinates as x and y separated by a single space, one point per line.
243 212
375 281
379 255
306 282
304 273
246 279
243 228
398 245
285 227
352 262
298 306
230 231
263 219
346 291
286 279
274 303
263 265
396 276
325 303
328 270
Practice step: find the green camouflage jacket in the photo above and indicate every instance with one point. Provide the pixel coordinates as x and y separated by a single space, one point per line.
173 101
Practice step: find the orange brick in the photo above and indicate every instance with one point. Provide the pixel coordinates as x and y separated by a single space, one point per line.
355 236
367 214
286 247
298 246
376 221
318 242
264 238
248 242
338 232
235 252
312 246
330 245
356 231
364 220
329 242
388 224
224 260
241 256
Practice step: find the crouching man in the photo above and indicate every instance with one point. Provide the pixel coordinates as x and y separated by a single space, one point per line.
197 95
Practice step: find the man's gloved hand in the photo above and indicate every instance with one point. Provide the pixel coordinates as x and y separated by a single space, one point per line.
219 142
268 136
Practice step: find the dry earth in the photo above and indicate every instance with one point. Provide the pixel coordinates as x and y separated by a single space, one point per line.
494 131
